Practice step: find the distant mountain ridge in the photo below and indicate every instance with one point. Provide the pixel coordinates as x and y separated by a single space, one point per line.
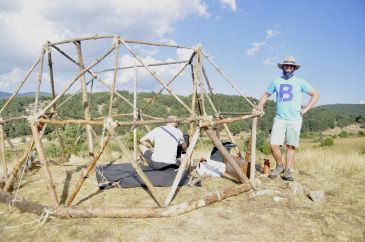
24 94
353 110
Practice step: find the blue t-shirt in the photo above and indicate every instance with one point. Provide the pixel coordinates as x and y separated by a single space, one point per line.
289 96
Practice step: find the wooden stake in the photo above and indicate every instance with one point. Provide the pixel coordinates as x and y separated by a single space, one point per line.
112 90
85 100
253 150
182 167
44 162
137 168
2 152
53 94
211 133
86 171
40 71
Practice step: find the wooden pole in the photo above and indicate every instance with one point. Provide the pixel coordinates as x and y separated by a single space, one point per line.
86 171
156 44
182 167
85 100
53 94
44 162
200 80
156 77
112 90
2 152
120 212
228 80
20 84
253 150
153 64
137 168
193 98
76 78
211 133
17 166
95 37
135 115
39 82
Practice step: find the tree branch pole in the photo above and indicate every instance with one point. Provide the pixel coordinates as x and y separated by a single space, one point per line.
21 160
211 133
228 80
2 152
193 97
39 80
85 100
135 115
76 78
95 37
155 76
53 94
138 66
136 167
182 167
217 112
112 90
44 162
156 44
253 150
86 171
119 212
20 84
200 80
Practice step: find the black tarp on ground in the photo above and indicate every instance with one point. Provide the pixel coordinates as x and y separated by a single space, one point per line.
127 177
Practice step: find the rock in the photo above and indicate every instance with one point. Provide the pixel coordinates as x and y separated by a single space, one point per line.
297 188
278 199
266 192
317 196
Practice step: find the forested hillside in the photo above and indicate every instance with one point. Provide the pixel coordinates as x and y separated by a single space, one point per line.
318 119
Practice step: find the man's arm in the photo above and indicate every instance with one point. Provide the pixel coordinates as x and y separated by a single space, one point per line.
183 146
146 142
263 100
314 97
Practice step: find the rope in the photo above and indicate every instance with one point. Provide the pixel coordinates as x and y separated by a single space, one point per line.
41 220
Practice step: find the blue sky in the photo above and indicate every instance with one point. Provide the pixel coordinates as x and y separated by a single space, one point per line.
245 38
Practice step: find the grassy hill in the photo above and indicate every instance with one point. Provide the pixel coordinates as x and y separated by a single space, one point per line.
353 110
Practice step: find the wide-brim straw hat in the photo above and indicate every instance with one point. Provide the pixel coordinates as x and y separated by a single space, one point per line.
289 60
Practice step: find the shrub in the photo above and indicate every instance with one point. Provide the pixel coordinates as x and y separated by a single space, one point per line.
362 150
327 142
334 136
343 134
361 133
51 150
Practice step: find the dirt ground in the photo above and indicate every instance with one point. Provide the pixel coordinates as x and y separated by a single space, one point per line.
239 218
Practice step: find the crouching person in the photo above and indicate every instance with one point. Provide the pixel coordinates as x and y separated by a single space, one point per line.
159 147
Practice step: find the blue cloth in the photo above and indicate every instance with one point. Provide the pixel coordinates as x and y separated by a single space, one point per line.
289 96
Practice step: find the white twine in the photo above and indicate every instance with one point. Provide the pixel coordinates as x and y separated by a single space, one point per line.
41 220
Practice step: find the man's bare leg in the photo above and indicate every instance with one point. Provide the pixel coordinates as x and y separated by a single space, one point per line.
289 156
276 152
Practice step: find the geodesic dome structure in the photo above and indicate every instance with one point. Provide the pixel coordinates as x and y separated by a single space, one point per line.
198 120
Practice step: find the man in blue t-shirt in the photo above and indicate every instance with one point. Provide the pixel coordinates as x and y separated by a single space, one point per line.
289 113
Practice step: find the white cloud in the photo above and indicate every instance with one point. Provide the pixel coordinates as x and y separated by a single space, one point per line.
229 3
26 25
258 45
362 102
10 78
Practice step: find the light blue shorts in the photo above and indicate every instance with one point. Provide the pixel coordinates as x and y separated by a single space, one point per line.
285 131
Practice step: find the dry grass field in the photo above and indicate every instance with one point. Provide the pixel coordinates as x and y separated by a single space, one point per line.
338 170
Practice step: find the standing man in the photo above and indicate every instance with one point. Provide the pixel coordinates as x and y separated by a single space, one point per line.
159 147
289 114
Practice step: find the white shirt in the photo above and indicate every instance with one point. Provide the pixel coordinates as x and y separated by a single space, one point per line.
165 139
